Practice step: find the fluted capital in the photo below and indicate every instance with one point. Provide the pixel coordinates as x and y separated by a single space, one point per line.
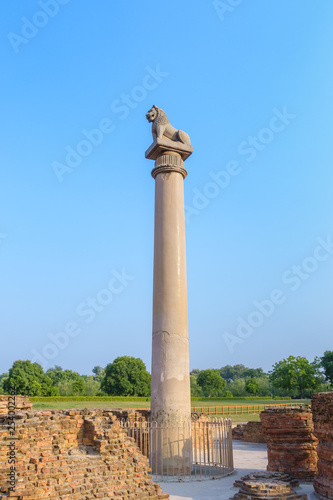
169 162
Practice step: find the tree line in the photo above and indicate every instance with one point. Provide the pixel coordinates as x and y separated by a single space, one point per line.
127 376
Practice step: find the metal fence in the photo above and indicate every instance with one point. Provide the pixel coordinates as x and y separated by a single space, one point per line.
196 450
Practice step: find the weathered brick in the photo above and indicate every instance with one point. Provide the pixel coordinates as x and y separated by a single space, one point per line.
67 454
322 407
291 443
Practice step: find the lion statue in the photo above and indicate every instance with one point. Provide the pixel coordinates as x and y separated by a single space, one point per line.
162 127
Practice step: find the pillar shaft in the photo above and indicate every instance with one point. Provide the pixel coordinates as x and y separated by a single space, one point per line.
171 444
170 396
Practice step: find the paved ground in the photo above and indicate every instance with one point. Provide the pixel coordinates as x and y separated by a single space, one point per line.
247 457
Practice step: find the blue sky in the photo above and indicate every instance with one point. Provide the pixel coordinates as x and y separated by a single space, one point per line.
251 84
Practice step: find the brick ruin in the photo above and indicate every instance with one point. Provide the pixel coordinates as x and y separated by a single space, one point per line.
266 485
291 443
21 403
72 455
322 407
249 433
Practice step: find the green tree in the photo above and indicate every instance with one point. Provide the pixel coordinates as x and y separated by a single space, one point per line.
326 361
254 372
230 373
237 387
211 382
29 379
252 386
98 373
3 377
266 387
296 374
196 390
70 383
66 388
195 372
126 376
91 386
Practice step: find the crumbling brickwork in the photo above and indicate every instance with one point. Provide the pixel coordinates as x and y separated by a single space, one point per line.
291 443
249 433
131 414
73 455
252 433
267 485
322 408
237 431
21 403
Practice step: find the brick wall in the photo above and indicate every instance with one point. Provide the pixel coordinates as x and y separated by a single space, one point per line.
21 403
249 433
73 455
322 407
252 433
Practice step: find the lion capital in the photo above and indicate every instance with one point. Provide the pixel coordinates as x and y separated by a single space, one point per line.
162 128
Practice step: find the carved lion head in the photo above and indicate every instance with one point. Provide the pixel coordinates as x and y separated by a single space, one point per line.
152 114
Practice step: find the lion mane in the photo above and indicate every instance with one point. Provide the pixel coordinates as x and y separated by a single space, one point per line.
161 118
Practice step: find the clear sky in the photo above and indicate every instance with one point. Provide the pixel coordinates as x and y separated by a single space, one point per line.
251 82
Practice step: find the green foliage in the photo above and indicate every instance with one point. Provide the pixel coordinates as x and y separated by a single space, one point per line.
228 394
3 377
296 374
265 386
232 373
252 386
66 388
211 382
237 387
29 379
196 390
254 373
101 394
98 372
91 386
326 361
69 383
195 372
126 376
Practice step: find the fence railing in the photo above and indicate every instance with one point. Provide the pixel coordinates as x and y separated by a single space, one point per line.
195 450
240 409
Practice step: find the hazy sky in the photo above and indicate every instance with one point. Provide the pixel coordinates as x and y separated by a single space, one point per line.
251 82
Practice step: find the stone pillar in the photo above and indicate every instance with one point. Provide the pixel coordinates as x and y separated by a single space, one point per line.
171 447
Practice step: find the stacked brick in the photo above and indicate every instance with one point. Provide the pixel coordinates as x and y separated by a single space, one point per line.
132 415
267 485
291 443
322 407
249 433
7 402
237 431
73 455
252 433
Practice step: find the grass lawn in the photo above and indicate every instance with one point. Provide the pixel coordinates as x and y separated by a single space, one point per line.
198 405
91 404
